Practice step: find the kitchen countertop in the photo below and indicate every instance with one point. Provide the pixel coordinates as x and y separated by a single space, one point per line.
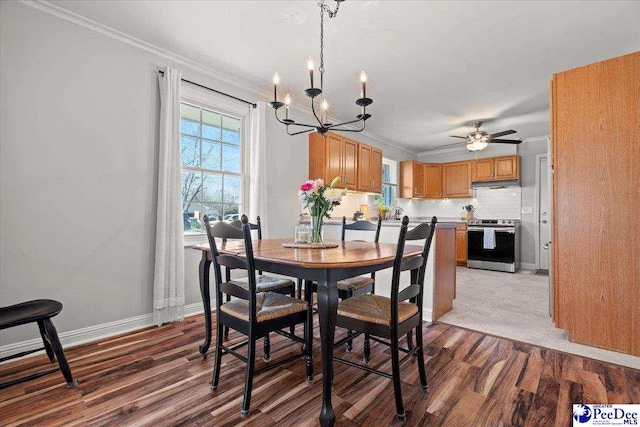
442 223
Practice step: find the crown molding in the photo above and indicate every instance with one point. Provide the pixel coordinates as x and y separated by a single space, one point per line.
262 94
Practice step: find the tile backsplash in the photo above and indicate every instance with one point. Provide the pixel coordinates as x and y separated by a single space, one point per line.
499 203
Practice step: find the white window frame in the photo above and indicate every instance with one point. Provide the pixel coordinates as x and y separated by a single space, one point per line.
393 173
221 104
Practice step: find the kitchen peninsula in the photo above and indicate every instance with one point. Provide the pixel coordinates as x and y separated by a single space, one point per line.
440 276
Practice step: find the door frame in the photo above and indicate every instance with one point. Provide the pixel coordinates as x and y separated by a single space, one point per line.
539 158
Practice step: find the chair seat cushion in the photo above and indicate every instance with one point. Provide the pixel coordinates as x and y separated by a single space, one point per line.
264 283
374 309
354 283
27 312
269 305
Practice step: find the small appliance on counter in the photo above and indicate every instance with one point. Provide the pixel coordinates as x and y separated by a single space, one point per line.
358 216
493 244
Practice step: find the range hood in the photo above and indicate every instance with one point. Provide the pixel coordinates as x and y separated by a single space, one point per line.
496 184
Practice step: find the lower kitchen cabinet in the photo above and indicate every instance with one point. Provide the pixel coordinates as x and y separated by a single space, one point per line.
461 244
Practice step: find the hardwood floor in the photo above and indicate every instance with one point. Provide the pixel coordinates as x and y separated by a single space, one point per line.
157 377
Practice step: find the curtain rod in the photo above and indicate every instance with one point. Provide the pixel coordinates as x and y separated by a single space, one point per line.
253 104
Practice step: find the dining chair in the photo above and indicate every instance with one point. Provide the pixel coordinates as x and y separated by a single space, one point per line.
254 313
37 311
359 284
381 318
233 230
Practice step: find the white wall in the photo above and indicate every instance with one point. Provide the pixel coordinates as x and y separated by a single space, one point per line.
78 131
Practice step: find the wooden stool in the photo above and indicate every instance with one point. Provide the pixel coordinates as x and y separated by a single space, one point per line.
40 311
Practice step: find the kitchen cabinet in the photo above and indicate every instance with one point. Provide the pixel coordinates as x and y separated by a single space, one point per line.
333 156
411 179
461 244
432 180
456 179
596 162
369 169
496 168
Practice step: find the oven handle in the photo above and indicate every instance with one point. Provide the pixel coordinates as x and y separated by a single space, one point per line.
498 230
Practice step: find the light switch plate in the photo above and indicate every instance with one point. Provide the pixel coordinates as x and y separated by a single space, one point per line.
527 210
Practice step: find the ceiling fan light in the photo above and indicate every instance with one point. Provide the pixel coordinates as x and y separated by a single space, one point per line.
477 145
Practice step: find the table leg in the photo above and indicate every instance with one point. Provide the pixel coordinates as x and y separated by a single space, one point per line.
203 270
327 313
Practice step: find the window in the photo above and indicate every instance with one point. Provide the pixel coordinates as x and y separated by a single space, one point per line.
389 184
212 166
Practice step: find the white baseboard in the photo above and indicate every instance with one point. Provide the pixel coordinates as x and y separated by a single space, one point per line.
426 314
96 332
527 266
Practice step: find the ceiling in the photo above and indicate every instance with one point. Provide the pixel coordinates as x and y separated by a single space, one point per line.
434 66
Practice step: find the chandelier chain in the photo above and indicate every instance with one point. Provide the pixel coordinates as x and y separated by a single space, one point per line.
324 8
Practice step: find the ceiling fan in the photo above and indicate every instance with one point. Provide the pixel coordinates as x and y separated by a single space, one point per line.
479 140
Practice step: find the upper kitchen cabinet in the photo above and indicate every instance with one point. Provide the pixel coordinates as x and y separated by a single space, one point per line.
411 179
456 179
369 169
358 165
496 168
432 180
334 156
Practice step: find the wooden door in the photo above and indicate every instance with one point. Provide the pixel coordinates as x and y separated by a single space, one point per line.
506 167
418 180
461 244
596 168
350 164
456 179
364 168
333 158
376 170
483 169
432 181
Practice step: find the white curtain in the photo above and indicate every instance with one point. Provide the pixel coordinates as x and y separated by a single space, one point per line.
257 150
168 279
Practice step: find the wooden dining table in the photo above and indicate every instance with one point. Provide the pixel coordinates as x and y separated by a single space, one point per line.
325 267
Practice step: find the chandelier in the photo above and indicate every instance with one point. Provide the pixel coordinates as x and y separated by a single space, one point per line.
322 126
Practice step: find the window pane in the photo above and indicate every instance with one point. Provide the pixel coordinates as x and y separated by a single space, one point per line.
214 210
210 132
190 220
230 130
189 151
212 188
190 112
231 212
232 189
210 155
191 188
386 173
231 158
211 123
189 127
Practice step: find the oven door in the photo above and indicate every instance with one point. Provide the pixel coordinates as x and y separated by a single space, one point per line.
504 252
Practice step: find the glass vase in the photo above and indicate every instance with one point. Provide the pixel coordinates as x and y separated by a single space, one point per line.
316 228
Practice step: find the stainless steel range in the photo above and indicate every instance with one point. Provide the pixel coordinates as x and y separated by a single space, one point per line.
494 244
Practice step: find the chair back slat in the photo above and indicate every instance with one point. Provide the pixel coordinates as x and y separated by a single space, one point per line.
361 226
232 261
409 292
412 264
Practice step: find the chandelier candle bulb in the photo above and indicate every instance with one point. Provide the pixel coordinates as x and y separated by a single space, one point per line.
276 80
310 66
363 79
287 103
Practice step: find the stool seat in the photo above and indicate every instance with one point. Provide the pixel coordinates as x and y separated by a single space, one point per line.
28 312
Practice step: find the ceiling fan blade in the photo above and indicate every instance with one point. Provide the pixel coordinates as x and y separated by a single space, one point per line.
455 136
503 133
507 141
